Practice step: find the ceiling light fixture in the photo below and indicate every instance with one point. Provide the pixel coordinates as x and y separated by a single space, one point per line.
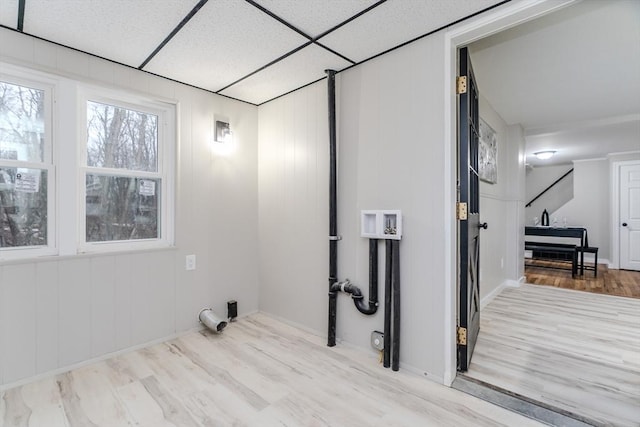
544 155
223 132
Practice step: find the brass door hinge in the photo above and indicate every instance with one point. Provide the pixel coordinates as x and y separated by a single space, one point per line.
462 336
461 85
461 211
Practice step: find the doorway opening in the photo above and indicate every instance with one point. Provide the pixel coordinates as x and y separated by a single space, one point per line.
535 300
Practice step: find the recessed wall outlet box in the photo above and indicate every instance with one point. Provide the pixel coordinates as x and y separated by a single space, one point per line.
232 309
377 340
381 224
392 225
369 224
190 263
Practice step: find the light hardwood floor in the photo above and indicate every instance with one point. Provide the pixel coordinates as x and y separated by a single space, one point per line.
258 372
574 350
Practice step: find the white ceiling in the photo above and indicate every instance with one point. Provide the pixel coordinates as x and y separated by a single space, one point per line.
571 79
252 50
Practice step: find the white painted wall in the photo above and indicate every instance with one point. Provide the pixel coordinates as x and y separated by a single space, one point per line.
294 207
56 312
516 200
391 156
538 179
623 157
499 207
589 207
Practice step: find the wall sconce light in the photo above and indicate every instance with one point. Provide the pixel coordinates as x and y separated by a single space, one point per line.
223 132
544 155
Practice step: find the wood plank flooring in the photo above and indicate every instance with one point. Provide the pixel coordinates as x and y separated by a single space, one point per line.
258 372
575 350
623 283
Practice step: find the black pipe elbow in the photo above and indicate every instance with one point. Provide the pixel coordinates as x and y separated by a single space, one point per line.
356 295
358 300
353 290
369 309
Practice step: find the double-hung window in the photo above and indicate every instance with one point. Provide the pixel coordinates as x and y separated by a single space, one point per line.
107 187
126 174
27 174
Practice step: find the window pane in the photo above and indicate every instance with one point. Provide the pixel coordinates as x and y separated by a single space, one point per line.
121 138
121 208
23 207
21 123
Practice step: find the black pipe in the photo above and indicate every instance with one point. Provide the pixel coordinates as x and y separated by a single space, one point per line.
387 305
356 293
395 265
333 223
333 304
373 276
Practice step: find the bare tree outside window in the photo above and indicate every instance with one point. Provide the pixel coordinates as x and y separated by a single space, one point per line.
23 190
121 205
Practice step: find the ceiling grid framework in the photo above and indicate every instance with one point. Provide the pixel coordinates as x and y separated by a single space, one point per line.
250 50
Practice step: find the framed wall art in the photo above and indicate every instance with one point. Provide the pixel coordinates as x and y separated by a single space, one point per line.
488 154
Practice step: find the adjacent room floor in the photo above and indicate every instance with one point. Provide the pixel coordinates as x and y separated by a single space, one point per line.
577 351
258 372
624 283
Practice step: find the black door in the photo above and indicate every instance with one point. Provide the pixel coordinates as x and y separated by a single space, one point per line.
469 221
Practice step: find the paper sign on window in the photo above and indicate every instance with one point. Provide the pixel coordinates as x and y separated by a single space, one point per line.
147 187
27 182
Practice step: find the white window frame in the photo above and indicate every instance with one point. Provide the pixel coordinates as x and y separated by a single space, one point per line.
166 113
18 76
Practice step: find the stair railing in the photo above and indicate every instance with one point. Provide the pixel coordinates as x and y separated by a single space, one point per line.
548 188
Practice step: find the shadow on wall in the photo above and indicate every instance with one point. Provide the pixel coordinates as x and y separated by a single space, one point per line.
537 180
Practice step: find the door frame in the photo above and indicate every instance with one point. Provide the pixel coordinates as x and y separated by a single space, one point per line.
614 261
494 21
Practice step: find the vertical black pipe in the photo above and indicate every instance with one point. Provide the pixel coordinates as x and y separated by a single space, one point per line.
395 265
387 305
373 273
20 26
333 223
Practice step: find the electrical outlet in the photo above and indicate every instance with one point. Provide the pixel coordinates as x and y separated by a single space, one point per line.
502 262
190 263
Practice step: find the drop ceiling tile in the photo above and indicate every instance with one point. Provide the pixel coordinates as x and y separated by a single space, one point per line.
395 22
224 42
292 72
121 30
314 17
9 13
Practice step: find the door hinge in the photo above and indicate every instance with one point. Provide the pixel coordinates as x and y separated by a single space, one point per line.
461 211
461 85
462 336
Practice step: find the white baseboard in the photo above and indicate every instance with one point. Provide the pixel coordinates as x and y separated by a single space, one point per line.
509 283
298 325
92 360
366 350
67 368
